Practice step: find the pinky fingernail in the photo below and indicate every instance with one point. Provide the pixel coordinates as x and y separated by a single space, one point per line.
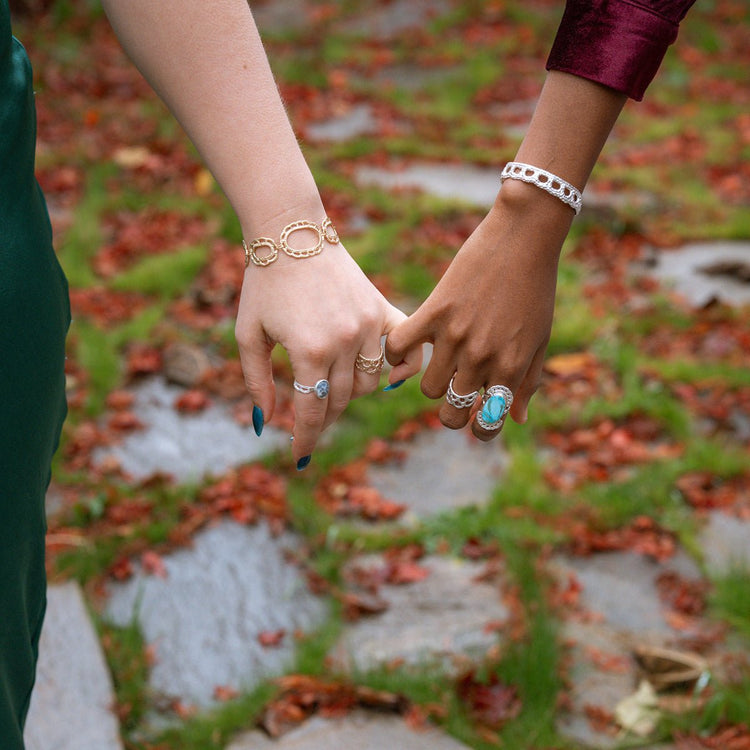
257 420
393 386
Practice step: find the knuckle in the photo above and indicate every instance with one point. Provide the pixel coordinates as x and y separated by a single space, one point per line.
430 389
370 318
452 420
479 359
483 435
337 405
348 334
317 354
364 386
242 336
309 421
455 333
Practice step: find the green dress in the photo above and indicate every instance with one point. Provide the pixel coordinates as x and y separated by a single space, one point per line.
34 317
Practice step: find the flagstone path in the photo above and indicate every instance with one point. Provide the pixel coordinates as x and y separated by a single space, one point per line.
204 619
359 731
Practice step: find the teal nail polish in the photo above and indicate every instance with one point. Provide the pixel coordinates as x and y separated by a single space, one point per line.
257 420
303 462
393 386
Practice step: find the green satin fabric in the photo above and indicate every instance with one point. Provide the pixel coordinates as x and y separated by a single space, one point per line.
34 317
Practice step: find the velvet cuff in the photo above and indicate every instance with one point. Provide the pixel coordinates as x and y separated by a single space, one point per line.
618 43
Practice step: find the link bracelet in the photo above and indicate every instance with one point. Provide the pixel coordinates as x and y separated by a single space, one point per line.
551 183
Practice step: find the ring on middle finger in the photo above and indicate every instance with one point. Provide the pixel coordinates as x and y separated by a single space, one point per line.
459 401
370 366
321 389
496 403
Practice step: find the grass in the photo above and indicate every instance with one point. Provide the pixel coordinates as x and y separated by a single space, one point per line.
164 276
731 597
440 121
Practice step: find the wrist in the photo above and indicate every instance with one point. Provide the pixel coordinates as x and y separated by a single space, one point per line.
525 199
525 211
298 239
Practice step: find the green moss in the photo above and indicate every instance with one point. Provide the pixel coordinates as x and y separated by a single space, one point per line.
731 598
166 276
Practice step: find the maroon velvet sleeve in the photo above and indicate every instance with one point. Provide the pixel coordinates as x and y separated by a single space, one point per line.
618 43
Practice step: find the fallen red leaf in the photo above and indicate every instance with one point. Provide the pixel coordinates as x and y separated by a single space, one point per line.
271 638
491 703
192 402
153 563
225 693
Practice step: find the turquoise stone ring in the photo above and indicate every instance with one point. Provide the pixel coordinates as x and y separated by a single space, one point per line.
495 405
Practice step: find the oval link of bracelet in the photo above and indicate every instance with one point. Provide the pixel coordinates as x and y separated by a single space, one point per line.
299 226
260 260
329 231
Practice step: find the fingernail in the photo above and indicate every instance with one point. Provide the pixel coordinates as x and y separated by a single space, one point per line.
393 386
303 462
257 420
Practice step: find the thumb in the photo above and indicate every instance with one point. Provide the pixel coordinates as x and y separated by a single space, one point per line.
403 344
255 356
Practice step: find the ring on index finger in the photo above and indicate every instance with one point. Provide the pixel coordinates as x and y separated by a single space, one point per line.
321 389
370 366
459 401
496 403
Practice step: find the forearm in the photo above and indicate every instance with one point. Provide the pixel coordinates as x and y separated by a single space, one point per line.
207 62
568 130
570 126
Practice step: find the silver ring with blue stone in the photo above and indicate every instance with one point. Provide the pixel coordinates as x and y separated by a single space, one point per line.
495 405
321 389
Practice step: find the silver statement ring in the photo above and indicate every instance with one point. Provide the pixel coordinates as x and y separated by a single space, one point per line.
320 389
370 366
459 401
496 403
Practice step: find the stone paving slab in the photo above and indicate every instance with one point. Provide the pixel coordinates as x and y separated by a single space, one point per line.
725 541
621 586
468 472
359 731
439 621
203 620
357 121
685 270
619 590
473 184
186 446
383 21
71 706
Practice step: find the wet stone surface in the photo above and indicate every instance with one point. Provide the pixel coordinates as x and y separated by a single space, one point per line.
725 541
186 446
460 182
386 20
358 731
620 609
71 706
472 184
706 271
357 121
441 621
282 16
469 471
204 619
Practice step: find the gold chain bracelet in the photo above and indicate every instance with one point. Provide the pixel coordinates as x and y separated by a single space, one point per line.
324 231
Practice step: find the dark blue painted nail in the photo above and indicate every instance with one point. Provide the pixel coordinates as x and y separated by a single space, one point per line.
393 386
257 420
303 462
